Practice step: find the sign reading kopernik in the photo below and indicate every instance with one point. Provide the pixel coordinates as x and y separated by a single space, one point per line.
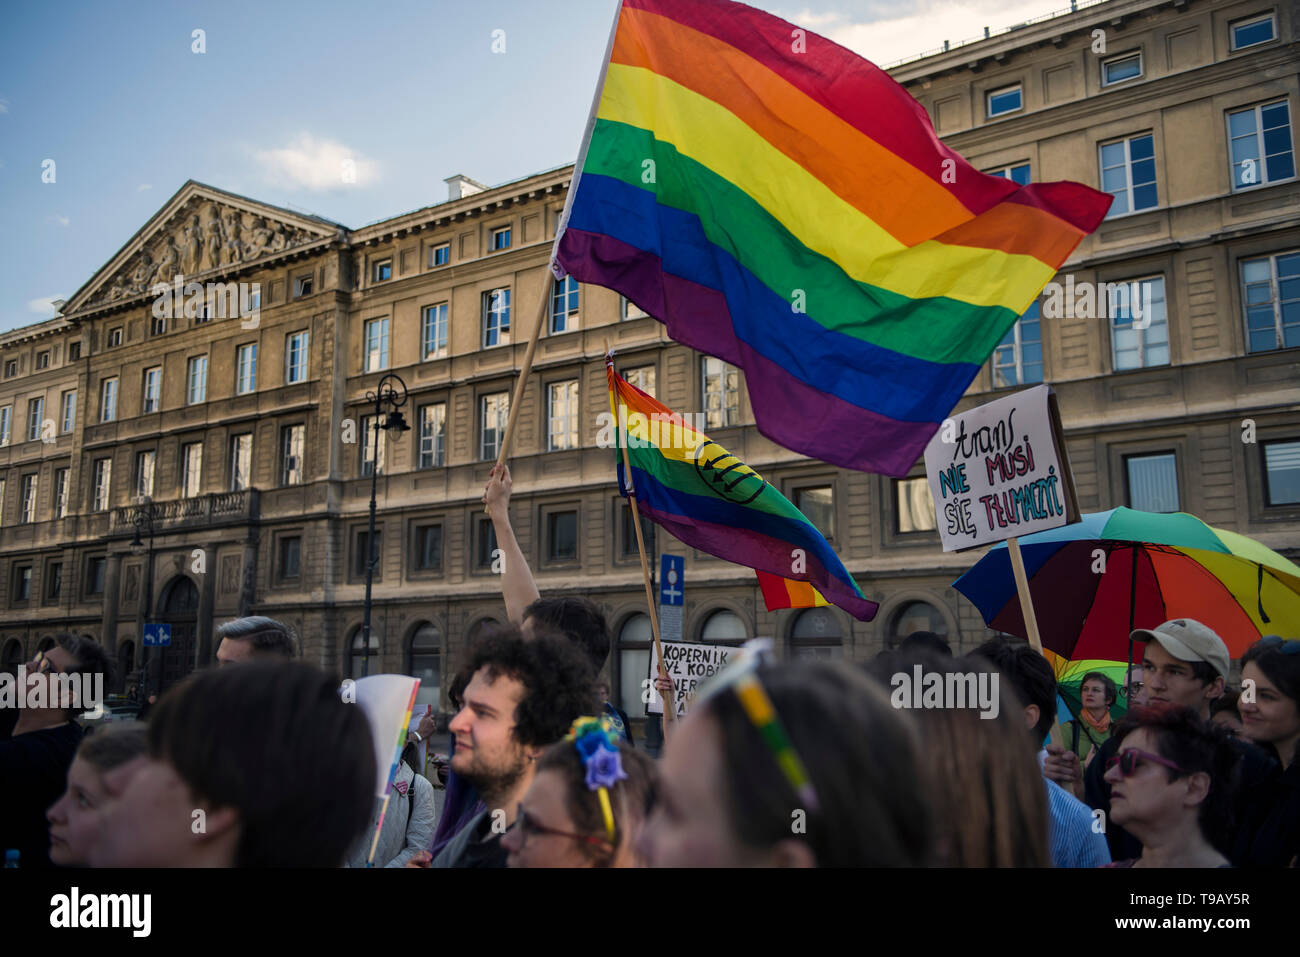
1000 470
689 665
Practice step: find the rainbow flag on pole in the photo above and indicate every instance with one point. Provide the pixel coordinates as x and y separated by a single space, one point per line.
712 501
783 204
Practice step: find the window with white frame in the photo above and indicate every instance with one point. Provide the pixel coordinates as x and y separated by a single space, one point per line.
28 513
376 332
108 400
6 424
440 255
496 318
35 414
1018 358
246 368
494 410
103 473
196 380
68 412
434 331
1252 30
1152 482
373 451
1018 173
144 469
241 461
562 415
1270 287
1260 139
1128 172
295 357
643 377
1139 330
500 239
914 506
292 440
1281 472
630 310
1117 69
191 469
433 428
115 337
1007 99
564 305
720 387
152 390
61 492
383 270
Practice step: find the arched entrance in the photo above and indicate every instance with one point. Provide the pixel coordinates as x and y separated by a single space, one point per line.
179 608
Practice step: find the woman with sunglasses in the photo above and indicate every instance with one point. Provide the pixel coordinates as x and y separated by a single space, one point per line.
587 803
1270 717
1172 781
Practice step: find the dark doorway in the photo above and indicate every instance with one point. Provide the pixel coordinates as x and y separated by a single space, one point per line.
179 608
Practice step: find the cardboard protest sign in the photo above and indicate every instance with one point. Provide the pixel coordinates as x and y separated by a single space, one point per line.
1001 470
689 665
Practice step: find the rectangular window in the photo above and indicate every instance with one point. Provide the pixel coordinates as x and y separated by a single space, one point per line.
43 359
1117 69
1249 31
494 409
1018 358
27 514
440 255
818 505
433 427
22 583
254 304
108 400
11 368
914 506
290 558
486 539
302 286
562 415
496 318
6 423
191 469
95 575
1282 472
1006 100
361 556
1271 289
1128 172
74 351
68 414
500 239
643 377
144 467
376 345
35 413
721 390
60 492
158 325
196 380
426 548
562 536
372 432
246 369
292 439
53 581
1018 174
1152 482
629 547
1261 145
152 390
630 310
564 305
103 483
295 357
1139 329
434 331
115 337
383 270
241 461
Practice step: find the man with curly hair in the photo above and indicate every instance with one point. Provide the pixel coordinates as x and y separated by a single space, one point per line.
523 696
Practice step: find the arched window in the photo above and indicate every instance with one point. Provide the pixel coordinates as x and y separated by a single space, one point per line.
13 656
633 663
426 664
723 628
357 645
817 634
916 616
46 643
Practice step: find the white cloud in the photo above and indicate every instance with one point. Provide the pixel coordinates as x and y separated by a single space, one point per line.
316 164
143 186
42 307
59 219
4 105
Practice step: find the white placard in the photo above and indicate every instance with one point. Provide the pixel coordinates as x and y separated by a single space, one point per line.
689 665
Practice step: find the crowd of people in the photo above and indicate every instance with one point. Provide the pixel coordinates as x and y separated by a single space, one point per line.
261 762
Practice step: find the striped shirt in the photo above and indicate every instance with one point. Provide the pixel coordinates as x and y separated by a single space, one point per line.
1074 842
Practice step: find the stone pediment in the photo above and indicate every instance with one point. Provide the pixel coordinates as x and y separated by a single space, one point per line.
201 231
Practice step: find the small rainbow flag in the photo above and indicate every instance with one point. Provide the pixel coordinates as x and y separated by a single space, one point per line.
783 204
781 592
708 498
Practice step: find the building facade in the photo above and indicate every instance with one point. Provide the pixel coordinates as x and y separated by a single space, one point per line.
198 462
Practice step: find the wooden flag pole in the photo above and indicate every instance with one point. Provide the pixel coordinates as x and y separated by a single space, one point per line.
670 706
1031 620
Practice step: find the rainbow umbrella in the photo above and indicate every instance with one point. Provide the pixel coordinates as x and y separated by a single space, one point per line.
1096 580
1069 684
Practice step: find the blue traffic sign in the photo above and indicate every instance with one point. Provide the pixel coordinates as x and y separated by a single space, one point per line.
672 571
157 633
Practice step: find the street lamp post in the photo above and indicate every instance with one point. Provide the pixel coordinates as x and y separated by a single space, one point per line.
389 392
143 519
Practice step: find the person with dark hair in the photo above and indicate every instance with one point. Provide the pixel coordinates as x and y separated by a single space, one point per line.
39 740
408 822
1269 835
1224 711
1074 842
1172 783
77 818
565 820
263 765
926 641
1086 733
460 801
522 698
255 638
1186 664
802 765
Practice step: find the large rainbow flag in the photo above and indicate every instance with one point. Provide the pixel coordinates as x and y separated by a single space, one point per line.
710 500
783 204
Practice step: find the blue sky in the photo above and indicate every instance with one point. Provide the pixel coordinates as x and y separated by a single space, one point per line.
114 94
